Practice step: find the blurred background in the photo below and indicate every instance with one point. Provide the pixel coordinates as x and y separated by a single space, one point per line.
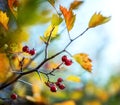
102 85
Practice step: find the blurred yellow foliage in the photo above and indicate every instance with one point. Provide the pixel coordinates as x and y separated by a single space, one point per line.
51 65
102 94
4 67
70 102
4 19
93 102
76 95
73 78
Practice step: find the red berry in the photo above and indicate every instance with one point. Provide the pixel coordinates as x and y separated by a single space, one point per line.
53 88
25 49
62 86
57 83
64 58
13 96
59 80
32 52
68 62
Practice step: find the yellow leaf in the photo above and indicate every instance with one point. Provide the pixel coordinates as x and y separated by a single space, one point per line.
98 19
52 2
73 78
56 20
4 67
43 39
51 31
84 61
69 17
4 19
13 4
70 102
75 4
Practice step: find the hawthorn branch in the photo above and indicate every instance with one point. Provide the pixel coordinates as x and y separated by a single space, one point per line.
20 74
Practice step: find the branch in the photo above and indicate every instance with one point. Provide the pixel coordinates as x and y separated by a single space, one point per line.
47 43
41 64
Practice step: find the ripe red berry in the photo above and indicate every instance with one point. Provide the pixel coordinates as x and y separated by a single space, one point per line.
13 96
62 86
25 49
57 83
64 58
53 88
68 62
59 80
32 52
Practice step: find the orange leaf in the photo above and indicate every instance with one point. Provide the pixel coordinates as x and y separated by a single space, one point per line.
69 17
13 4
75 4
98 19
84 61
4 19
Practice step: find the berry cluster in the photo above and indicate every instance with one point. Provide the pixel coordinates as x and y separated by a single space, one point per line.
13 96
66 61
53 86
27 50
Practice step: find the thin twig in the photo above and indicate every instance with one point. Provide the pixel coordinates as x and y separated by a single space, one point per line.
47 43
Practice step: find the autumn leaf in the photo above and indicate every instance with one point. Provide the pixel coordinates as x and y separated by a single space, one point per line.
84 61
52 2
4 67
56 20
69 17
13 6
75 4
51 30
4 19
97 19
73 78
